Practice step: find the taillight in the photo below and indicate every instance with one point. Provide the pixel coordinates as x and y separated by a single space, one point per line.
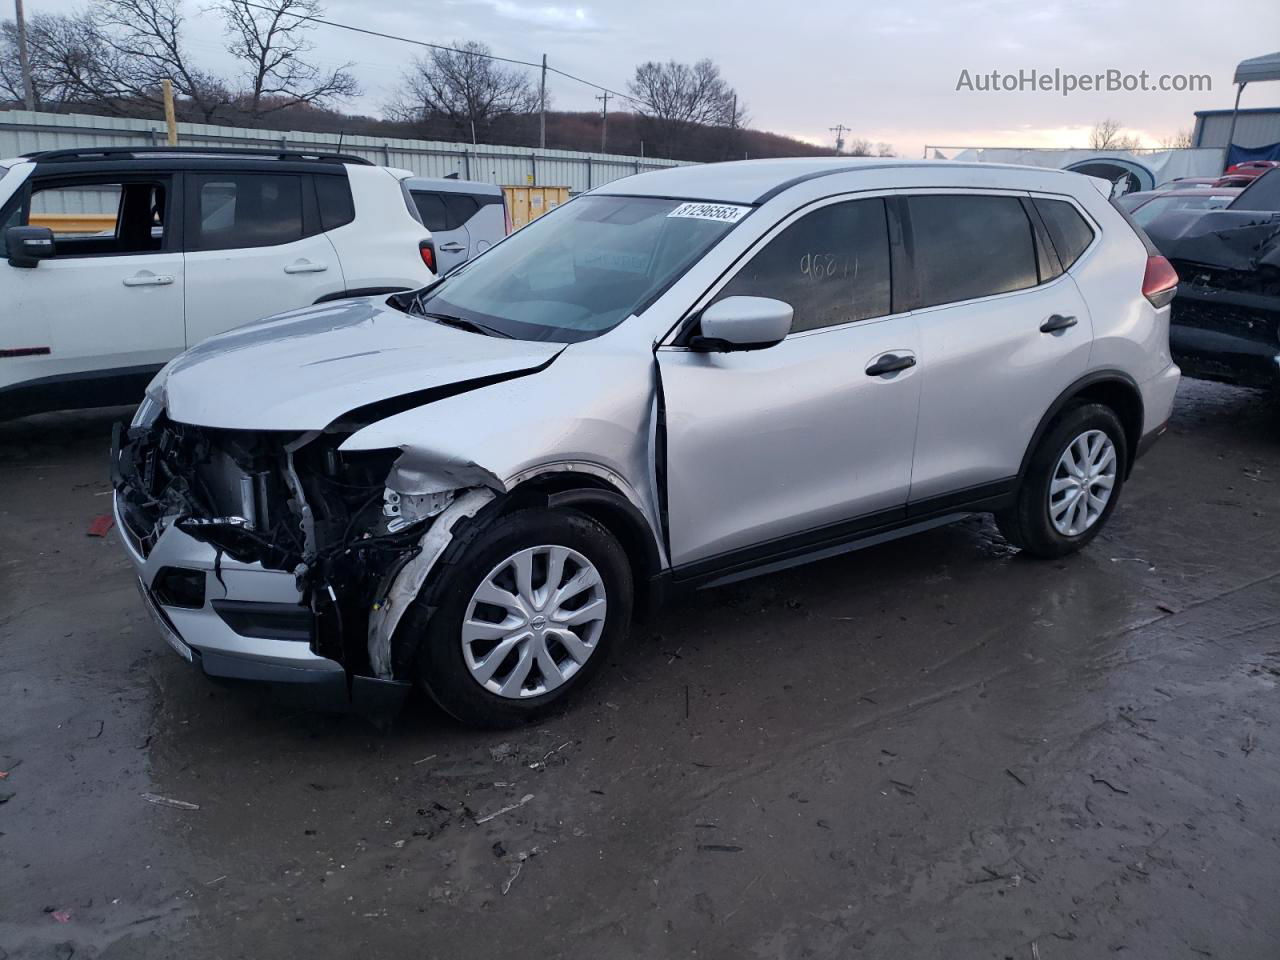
1160 282
427 250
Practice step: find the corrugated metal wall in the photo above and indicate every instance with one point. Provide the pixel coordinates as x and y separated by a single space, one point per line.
1253 129
22 131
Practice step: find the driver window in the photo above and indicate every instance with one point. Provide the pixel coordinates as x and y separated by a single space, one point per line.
101 219
831 265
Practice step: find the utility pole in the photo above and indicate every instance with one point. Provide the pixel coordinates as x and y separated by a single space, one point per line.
839 130
604 116
170 116
542 106
24 61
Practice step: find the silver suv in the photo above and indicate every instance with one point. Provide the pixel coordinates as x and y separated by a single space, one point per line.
681 379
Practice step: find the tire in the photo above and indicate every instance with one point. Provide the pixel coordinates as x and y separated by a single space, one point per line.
1030 523
446 656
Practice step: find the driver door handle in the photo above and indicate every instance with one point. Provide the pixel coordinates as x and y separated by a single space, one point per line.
148 280
453 246
306 266
890 363
1057 322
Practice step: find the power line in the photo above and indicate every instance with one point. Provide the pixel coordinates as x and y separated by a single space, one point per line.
441 46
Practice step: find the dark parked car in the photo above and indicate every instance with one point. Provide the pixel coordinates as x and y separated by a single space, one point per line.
1226 316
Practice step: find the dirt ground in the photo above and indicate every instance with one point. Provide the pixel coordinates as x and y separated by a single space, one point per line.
930 749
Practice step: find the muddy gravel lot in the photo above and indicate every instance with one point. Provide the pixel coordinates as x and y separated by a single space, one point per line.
933 748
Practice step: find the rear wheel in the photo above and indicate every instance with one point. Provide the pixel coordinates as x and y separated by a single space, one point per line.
1072 484
524 616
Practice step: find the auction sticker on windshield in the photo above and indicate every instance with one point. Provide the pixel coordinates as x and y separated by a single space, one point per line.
724 212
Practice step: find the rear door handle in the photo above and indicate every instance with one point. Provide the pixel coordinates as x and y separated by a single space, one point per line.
453 246
148 280
890 363
1057 322
306 266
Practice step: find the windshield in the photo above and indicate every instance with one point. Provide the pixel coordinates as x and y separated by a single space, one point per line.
580 270
1149 211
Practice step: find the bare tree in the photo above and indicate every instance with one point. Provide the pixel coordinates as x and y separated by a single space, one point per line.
272 43
462 87
1179 141
885 150
675 97
858 147
1106 135
141 44
66 55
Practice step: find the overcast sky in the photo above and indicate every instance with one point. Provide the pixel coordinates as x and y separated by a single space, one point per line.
887 70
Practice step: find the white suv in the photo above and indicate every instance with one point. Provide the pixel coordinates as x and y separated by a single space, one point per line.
117 259
681 379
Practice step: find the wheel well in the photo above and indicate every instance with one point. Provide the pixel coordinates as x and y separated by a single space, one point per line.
1125 400
604 503
1114 391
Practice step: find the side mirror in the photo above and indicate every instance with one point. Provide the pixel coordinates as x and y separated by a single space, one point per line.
27 246
742 323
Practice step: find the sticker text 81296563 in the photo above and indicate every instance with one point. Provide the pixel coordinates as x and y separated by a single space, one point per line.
723 212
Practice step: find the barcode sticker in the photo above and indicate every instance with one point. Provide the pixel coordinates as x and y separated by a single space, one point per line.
723 212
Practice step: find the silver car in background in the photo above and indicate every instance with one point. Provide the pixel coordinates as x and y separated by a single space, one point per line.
681 379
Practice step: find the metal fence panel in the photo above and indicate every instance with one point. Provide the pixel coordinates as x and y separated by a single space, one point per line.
23 131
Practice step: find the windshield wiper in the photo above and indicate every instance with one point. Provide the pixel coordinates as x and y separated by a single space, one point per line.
469 325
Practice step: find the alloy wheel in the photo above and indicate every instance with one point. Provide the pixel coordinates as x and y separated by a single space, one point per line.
533 621
1082 483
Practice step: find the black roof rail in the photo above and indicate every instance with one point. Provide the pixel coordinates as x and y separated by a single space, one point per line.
138 153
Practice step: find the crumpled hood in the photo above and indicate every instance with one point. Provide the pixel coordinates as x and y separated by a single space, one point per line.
305 369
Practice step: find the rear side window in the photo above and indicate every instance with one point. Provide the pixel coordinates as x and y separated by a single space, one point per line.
1068 231
449 211
461 208
431 211
970 246
336 206
831 265
235 210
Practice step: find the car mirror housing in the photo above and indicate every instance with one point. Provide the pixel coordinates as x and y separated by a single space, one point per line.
743 323
27 246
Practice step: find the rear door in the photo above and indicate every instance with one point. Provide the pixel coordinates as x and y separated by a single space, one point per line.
1003 332
109 305
779 448
452 243
254 247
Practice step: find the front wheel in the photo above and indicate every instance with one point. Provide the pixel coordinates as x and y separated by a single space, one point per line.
1071 486
522 617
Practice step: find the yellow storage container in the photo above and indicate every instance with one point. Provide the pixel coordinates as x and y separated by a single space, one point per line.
529 203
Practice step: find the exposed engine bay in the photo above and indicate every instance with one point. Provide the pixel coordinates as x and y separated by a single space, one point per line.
287 502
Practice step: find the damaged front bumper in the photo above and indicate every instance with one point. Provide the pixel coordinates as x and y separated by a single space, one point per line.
247 623
257 570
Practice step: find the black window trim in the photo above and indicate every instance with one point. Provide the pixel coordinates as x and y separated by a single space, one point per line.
311 225
1088 218
171 239
905 193
684 328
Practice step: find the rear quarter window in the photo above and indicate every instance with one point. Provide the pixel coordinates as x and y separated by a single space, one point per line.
333 195
431 210
1069 232
970 246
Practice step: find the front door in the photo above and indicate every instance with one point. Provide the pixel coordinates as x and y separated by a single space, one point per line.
108 306
791 443
254 249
